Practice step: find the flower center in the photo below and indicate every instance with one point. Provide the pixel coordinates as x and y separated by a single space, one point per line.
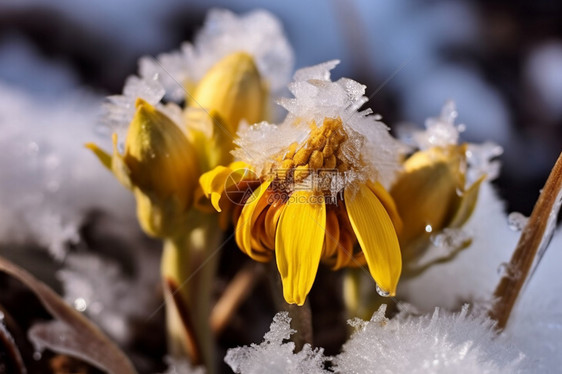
320 150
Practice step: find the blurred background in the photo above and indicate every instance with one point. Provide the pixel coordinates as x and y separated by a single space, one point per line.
501 61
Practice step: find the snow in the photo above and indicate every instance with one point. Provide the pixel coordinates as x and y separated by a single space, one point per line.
440 131
535 325
475 271
112 301
275 355
438 343
49 180
369 150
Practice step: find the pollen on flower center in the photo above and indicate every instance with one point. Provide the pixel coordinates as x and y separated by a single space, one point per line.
319 151
317 155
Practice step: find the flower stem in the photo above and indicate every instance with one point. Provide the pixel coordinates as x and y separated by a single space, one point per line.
301 316
236 292
189 263
534 239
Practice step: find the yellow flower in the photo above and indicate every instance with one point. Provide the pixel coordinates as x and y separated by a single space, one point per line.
431 195
231 91
293 213
234 89
159 165
162 163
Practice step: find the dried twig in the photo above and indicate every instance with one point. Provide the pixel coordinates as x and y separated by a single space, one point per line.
532 238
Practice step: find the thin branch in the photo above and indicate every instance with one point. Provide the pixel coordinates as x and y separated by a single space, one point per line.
529 245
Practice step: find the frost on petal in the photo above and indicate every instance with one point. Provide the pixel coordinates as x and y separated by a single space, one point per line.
274 355
440 131
481 161
370 150
437 343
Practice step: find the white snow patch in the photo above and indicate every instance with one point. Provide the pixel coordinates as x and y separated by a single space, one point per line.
439 343
275 355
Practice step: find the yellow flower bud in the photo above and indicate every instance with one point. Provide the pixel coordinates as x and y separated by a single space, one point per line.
234 90
160 166
430 195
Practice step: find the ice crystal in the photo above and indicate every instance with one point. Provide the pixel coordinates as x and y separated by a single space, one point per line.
369 149
172 74
441 342
274 355
437 343
442 131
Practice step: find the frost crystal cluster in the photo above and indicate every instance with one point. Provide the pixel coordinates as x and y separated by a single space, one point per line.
369 148
409 343
275 355
440 343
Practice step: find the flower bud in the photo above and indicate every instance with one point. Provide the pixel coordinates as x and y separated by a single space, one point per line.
160 166
234 89
430 195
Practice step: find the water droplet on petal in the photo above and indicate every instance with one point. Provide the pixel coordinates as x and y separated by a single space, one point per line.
382 292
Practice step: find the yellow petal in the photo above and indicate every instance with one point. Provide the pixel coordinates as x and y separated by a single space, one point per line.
214 183
388 202
298 244
104 157
234 89
377 237
466 204
425 195
243 231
